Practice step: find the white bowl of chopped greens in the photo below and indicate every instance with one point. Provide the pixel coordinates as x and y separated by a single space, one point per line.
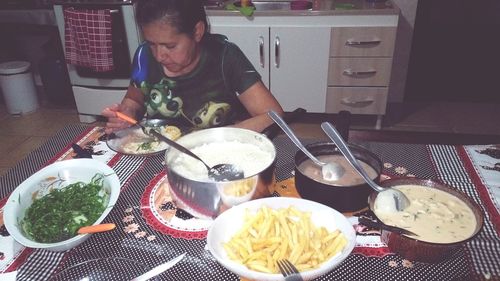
47 209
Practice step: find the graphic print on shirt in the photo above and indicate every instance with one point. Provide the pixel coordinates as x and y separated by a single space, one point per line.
160 100
212 114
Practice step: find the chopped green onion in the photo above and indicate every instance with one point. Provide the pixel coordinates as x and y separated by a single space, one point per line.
58 215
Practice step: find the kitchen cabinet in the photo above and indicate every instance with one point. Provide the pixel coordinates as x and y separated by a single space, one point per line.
360 70
292 60
325 61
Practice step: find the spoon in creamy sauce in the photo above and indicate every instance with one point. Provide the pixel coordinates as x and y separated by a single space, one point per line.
394 200
219 172
330 171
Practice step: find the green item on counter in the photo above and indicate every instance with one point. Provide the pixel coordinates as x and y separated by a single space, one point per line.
246 11
344 6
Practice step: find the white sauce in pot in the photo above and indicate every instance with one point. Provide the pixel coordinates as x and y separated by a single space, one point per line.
435 215
350 178
248 157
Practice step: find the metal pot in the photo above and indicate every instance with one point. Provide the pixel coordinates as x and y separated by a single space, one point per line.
340 197
207 198
422 251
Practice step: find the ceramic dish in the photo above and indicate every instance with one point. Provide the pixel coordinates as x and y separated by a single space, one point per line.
416 250
57 176
129 140
231 221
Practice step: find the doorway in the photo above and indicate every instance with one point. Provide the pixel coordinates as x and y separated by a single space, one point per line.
455 54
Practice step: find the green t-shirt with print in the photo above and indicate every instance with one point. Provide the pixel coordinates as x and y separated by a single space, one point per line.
206 97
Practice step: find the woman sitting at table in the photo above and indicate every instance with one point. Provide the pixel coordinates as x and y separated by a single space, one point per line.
187 75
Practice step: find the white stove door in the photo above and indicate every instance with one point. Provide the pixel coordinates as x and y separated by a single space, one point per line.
90 102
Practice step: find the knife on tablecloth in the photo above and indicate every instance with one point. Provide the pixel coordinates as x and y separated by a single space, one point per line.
159 269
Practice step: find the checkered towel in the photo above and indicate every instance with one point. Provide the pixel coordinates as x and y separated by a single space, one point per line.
87 36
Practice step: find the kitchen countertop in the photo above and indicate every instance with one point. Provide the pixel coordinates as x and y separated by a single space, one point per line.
320 8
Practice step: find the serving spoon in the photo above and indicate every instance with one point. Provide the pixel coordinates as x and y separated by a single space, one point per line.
219 172
399 198
330 171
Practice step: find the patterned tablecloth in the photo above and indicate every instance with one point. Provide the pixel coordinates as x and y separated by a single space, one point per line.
151 230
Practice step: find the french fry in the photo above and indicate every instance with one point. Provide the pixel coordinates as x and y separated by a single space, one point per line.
330 236
340 246
333 245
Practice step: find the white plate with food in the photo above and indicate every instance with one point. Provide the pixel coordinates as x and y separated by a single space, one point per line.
249 238
133 141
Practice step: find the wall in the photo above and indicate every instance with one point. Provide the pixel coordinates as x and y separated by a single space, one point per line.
402 49
28 35
455 52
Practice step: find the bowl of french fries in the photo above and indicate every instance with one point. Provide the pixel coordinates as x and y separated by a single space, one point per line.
250 238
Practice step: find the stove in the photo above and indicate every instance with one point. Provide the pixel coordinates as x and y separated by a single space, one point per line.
93 91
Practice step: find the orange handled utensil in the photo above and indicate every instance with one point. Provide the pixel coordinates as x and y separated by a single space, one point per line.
126 118
96 228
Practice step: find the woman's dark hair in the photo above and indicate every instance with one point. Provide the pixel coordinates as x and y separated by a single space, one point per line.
181 14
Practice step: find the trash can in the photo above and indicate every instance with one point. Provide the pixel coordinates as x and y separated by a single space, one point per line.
18 87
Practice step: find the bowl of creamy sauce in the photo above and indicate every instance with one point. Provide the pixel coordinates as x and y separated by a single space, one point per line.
442 217
350 192
350 177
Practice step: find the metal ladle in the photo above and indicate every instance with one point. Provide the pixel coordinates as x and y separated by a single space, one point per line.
219 172
400 199
330 171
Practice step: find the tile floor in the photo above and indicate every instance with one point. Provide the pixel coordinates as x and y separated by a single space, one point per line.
22 134
19 135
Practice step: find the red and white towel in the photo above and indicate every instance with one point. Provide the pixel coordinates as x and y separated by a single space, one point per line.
88 38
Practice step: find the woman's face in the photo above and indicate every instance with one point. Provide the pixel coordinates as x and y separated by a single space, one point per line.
177 52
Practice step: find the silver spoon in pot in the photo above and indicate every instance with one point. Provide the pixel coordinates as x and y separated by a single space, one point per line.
399 198
219 172
330 171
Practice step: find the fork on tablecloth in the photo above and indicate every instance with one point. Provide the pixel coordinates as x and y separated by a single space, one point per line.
289 271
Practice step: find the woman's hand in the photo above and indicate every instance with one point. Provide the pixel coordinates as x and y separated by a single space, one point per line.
114 123
131 105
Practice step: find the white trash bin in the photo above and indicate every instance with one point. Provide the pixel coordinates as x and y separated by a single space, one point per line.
18 87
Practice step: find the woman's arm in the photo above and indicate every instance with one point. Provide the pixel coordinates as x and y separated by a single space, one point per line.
132 105
258 100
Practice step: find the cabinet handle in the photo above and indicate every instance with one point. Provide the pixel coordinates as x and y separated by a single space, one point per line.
352 73
360 103
277 51
261 51
354 42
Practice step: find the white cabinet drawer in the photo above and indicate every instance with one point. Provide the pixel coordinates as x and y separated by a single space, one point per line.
359 71
357 100
362 41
